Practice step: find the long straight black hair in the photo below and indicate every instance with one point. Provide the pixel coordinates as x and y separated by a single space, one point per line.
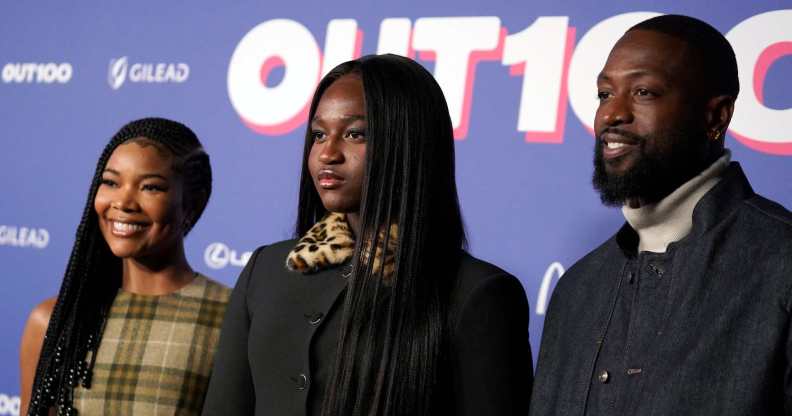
393 329
93 274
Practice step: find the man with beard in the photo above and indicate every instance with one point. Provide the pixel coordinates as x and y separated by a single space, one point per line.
686 310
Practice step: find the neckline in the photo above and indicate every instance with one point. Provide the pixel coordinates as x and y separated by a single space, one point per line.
198 278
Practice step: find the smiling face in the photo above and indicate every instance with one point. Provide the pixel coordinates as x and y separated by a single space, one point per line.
338 155
650 125
139 202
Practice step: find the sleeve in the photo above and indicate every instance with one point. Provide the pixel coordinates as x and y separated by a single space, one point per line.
492 354
788 365
230 390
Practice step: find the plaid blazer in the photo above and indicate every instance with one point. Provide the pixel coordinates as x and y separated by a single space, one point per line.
156 352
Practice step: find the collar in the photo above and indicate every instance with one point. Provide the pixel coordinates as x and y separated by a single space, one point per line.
714 207
671 218
330 243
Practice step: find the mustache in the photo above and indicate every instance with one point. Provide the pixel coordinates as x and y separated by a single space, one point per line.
620 132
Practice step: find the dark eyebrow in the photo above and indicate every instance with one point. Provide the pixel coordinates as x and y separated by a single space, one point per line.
146 176
636 73
154 175
351 118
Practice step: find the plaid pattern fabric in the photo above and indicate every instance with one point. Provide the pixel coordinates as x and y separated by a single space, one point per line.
155 357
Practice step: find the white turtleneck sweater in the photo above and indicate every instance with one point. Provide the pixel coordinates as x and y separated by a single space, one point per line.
671 219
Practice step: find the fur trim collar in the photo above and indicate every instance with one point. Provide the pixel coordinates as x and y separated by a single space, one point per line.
330 243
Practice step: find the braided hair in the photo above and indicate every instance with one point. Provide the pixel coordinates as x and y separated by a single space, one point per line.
93 274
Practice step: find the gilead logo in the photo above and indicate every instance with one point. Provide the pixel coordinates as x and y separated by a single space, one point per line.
554 69
120 70
24 237
40 73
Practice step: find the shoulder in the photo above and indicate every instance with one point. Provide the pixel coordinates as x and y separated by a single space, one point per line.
36 326
474 272
265 264
40 315
773 214
479 281
274 253
487 301
30 348
214 290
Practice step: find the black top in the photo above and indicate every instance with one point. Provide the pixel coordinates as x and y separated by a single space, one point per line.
279 338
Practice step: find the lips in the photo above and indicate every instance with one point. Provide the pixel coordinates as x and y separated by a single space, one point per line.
615 145
328 179
126 229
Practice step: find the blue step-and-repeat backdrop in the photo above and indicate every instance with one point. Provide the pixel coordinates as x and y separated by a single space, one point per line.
519 78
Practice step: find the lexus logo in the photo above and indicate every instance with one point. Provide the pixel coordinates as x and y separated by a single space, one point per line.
219 256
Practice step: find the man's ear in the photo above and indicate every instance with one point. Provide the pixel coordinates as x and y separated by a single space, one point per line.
719 112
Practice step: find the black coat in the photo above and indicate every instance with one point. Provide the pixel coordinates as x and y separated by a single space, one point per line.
721 341
279 339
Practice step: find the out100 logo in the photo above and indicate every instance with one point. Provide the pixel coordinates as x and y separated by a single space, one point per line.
553 69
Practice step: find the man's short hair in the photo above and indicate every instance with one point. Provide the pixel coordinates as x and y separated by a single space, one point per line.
718 63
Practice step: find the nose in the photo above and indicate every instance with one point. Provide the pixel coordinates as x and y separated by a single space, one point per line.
124 200
615 111
331 151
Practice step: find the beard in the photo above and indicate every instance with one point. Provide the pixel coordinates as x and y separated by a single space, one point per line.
654 175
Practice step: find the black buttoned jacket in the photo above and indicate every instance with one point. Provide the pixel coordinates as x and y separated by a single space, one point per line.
278 341
721 344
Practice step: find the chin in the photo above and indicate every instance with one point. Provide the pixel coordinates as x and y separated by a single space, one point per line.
343 207
123 251
621 165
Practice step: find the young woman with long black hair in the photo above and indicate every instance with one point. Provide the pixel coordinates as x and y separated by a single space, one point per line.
133 329
375 309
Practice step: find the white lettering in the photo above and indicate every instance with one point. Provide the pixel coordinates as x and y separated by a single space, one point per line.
24 237
589 58
539 54
182 72
758 41
554 270
281 108
394 37
553 68
43 73
64 73
455 43
219 256
9 405
8 72
146 72
29 71
342 43
136 72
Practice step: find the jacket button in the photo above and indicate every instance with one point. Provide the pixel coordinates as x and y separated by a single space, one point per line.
603 376
315 318
346 271
300 381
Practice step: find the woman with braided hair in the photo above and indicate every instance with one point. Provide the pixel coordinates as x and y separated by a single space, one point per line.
133 329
